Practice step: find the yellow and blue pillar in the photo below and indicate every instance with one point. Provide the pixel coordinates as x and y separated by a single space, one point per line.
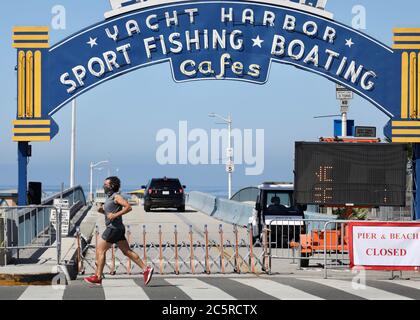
30 124
407 128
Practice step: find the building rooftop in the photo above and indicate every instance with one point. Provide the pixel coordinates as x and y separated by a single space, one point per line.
285 186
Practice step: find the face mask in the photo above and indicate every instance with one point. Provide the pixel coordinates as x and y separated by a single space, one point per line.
108 191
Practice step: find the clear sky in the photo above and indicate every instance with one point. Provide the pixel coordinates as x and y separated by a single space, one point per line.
119 119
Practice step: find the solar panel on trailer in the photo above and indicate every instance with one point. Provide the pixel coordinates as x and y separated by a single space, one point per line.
358 174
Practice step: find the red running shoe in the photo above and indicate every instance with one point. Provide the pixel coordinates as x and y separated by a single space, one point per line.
147 275
93 280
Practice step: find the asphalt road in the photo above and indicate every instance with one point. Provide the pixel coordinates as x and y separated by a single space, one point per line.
219 288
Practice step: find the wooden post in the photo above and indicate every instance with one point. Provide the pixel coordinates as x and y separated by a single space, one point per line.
206 234
176 251
238 267
129 241
222 251
144 245
160 250
191 251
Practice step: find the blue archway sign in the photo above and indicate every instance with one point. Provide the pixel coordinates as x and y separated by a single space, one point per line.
214 40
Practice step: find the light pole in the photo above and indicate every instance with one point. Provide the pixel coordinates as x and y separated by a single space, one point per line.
344 95
92 165
96 180
229 152
343 122
73 143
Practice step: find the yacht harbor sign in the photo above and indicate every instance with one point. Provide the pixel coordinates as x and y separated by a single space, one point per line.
237 40
201 40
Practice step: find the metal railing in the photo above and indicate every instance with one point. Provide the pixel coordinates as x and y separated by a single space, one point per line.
392 214
73 195
296 240
302 240
338 246
186 253
28 228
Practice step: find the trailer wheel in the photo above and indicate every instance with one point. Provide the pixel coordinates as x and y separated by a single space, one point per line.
255 241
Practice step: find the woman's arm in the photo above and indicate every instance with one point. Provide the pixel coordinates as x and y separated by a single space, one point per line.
126 208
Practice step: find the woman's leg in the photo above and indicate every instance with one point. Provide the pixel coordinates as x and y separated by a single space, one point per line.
101 250
125 248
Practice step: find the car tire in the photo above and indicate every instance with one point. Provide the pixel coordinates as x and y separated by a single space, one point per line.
147 208
181 209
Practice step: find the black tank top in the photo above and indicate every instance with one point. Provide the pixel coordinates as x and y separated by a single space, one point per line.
111 207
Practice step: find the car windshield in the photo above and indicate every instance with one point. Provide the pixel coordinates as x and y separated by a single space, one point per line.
277 201
165 184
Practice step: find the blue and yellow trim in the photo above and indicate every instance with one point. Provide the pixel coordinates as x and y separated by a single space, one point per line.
407 130
31 43
31 37
406 38
31 130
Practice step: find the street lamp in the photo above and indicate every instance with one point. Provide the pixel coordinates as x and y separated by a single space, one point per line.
92 165
96 180
73 144
229 165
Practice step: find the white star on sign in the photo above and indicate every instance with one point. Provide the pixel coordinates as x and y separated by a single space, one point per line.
257 42
349 42
92 42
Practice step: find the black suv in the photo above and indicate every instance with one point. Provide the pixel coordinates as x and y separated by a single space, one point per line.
164 193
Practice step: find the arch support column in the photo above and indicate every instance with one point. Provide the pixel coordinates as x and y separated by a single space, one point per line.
30 124
407 128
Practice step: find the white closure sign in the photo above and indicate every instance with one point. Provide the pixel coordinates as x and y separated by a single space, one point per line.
385 246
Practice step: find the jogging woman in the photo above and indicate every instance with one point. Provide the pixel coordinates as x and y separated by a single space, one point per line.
114 208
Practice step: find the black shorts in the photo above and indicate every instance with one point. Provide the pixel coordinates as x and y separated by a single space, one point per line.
111 235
